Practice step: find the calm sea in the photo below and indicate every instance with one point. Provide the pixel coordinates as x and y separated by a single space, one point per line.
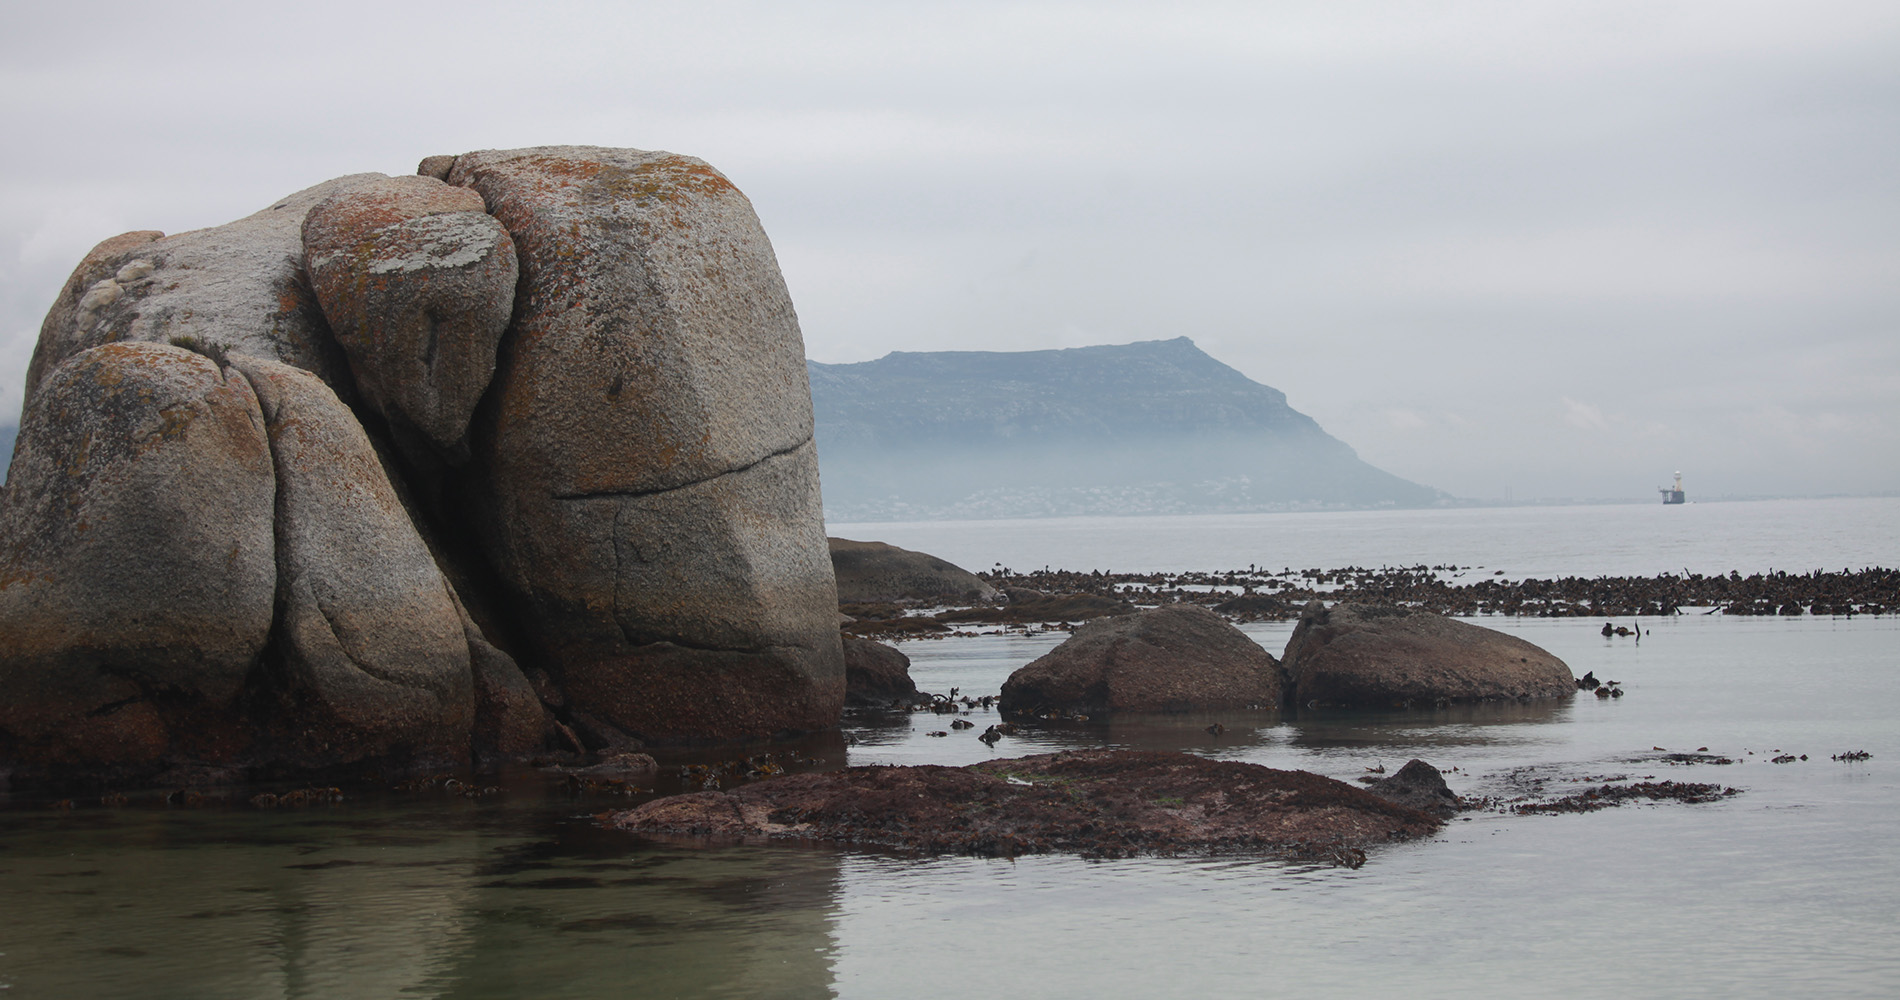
1602 540
1791 888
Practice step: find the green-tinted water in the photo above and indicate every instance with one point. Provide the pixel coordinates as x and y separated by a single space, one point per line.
1791 888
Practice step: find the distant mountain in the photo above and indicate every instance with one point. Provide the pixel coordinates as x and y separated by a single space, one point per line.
7 433
1152 427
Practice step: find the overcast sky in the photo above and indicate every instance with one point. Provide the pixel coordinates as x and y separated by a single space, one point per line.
1555 249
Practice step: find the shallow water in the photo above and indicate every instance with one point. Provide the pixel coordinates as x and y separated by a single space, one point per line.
1601 540
1790 888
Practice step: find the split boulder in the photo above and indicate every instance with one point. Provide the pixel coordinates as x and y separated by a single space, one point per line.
876 673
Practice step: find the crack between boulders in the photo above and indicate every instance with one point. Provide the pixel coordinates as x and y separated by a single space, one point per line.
635 494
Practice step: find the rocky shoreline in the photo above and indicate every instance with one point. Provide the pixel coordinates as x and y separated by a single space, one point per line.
1259 593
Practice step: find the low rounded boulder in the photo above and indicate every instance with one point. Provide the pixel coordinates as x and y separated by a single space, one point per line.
1364 655
1176 658
876 571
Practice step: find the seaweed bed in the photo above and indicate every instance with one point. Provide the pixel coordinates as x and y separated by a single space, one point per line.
1096 803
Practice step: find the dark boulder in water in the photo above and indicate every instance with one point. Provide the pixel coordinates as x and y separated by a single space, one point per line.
1177 658
1369 655
1420 786
876 673
877 571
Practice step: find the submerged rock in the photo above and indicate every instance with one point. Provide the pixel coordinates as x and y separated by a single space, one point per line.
1176 658
1375 656
878 572
1101 803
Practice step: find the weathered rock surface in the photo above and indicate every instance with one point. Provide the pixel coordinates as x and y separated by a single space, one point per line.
876 673
137 565
876 571
236 287
1091 802
1175 658
262 459
1420 786
418 284
374 656
647 480
1373 655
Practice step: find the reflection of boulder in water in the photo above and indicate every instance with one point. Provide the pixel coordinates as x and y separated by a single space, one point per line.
735 921
237 913
1457 725
446 912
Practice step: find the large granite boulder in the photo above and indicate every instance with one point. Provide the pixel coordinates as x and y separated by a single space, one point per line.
372 648
236 287
418 283
646 480
1176 658
876 674
260 460
137 566
1375 655
875 571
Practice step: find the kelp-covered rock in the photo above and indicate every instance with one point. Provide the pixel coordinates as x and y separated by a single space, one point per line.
1372 655
1175 658
1089 802
648 483
1030 606
137 560
1418 785
418 284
